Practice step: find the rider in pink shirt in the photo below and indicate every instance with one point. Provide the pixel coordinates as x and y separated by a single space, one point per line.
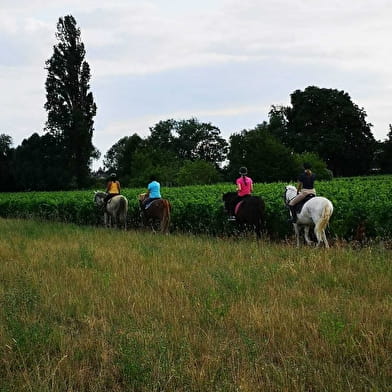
244 183
244 188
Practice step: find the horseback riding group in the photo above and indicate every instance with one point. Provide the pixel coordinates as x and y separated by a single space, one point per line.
305 208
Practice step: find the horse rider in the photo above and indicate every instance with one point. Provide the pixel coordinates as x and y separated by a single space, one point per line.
244 189
305 187
153 191
113 188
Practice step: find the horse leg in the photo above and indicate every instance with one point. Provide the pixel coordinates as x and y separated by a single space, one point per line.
319 236
296 230
306 234
258 230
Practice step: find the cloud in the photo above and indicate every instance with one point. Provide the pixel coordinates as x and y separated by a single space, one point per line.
223 61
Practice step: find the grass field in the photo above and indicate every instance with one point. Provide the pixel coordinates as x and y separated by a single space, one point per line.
88 309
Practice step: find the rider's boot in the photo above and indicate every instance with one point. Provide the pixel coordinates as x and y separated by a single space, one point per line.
293 218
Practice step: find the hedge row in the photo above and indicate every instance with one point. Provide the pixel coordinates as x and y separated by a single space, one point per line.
358 202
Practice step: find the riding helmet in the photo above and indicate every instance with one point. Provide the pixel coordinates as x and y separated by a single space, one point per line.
307 166
243 170
113 175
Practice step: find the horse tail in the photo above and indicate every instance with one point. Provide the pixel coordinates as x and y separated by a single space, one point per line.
122 211
325 217
165 216
258 217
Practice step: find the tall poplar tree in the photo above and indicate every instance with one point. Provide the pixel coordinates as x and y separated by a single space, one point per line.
70 103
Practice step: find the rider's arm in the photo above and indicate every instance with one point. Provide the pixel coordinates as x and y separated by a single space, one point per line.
238 185
119 186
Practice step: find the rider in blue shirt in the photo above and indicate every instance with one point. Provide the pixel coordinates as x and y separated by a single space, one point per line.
153 191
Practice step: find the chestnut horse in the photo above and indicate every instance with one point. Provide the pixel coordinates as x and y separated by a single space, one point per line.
157 213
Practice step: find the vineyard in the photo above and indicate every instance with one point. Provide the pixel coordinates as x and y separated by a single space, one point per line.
359 202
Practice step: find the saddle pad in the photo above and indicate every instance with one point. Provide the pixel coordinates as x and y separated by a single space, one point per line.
303 202
237 207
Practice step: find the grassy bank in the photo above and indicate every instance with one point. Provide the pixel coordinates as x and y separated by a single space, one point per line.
87 309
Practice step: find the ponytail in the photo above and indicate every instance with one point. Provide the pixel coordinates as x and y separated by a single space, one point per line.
244 179
308 172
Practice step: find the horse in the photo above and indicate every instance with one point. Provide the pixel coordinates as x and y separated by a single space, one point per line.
157 212
249 211
316 211
116 209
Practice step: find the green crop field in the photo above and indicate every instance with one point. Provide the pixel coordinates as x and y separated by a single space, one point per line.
359 201
88 309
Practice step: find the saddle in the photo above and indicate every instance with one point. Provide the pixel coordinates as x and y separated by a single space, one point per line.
299 205
150 203
238 204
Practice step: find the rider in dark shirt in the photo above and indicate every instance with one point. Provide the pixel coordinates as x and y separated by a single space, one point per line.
305 187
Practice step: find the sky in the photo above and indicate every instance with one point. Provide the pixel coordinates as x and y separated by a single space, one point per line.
221 61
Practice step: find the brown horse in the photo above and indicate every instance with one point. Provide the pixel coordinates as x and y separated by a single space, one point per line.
248 212
156 214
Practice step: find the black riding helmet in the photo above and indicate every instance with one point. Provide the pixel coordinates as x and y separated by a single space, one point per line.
243 170
307 166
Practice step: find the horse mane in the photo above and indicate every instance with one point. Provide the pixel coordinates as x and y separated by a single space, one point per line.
142 196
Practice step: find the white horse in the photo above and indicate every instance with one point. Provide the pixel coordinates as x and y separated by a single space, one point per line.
316 211
116 210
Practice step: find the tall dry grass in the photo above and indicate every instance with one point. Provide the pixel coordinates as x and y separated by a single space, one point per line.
86 309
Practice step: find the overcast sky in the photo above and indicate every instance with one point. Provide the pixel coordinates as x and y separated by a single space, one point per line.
221 61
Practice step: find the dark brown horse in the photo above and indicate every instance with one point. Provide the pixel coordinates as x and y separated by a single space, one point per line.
250 211
157 213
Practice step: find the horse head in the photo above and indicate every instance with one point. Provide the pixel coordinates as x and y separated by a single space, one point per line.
289 193
228 199
99 198
141 197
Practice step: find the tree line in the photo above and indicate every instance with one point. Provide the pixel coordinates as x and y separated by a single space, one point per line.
321 125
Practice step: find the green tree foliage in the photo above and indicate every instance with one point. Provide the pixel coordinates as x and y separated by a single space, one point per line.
200 141
38 164
70 104
318 165
119 157
170 144
266 158
189 140
160 163
198 173
385 158
6 155
327 122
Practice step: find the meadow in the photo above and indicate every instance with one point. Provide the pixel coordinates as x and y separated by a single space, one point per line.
89 309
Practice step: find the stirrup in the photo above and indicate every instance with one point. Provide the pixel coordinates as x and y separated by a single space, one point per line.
231 219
